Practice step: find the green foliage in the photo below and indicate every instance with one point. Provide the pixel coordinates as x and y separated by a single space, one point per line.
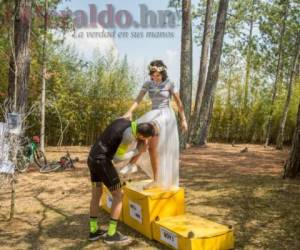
84 96
232 119
228 122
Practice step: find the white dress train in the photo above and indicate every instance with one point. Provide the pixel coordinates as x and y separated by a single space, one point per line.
168 148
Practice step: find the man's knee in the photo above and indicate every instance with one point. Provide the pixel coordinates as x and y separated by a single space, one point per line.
97 190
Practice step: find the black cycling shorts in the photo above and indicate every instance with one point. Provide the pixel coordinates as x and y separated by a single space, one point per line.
102 170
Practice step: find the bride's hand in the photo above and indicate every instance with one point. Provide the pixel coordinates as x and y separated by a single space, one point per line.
184 126
128 115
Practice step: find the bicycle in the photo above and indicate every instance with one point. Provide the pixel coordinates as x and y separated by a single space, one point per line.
29 153
65 163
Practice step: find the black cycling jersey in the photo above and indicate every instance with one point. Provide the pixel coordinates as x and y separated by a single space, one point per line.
109 141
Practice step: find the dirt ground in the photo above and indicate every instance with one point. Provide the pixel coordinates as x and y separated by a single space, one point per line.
244 190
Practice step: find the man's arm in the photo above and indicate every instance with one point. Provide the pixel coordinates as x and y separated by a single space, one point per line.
122 154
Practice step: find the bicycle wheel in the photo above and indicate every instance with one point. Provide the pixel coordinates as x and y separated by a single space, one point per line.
50 168
40 158
22 161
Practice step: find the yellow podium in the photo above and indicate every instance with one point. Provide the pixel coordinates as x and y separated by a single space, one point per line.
190 232
142 207
159 214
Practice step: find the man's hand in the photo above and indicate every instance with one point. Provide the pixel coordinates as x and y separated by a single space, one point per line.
128 116
142 146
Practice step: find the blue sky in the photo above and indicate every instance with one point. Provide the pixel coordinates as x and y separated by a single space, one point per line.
139 51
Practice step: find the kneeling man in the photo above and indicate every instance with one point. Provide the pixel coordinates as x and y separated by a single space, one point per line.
113 145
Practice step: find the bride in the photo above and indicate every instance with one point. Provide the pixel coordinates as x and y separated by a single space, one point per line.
164 147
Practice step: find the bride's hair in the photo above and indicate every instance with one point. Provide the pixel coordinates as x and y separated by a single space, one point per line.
158 66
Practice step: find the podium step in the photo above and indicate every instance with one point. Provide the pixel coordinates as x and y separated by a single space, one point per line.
190 232
159 214
142 207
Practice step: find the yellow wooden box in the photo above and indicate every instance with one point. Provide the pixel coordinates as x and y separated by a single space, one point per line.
142 207
106 201
190 232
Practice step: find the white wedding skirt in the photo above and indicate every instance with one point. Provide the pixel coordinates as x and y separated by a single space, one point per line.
167 149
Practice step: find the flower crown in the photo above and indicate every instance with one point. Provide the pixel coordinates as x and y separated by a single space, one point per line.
155 68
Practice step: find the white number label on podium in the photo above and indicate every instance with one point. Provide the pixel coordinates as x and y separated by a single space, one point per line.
136 211
109 201
168 237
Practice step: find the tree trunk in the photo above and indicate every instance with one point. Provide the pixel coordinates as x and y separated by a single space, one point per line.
292 165
213 72
13 197
186 71
278 74
44 72
20 57
228 110
248 60
280 137
246 104
203 68
205 129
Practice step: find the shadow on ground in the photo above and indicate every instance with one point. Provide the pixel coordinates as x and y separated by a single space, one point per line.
221 184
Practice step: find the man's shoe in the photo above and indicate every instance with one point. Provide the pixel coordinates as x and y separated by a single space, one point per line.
98 234
117 238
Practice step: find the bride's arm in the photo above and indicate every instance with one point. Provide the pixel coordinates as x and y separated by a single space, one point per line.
138 99
179 104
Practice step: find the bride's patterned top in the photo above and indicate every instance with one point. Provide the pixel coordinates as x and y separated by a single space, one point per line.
159 93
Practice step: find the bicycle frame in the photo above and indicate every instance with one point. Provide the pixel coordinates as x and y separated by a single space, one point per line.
29 149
